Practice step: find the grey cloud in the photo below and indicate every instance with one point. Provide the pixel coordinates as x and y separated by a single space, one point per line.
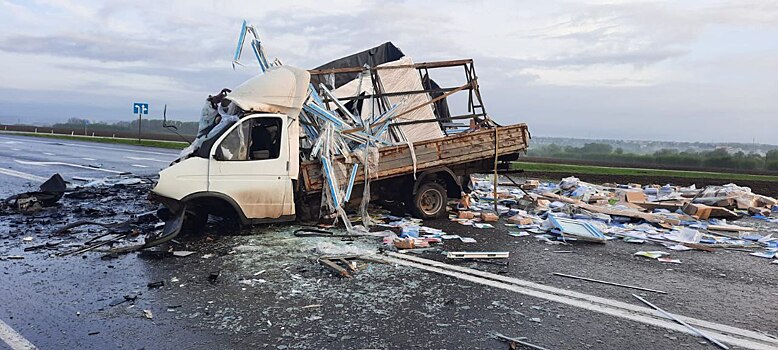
102 47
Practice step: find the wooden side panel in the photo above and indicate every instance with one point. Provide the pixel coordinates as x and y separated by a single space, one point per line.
463 148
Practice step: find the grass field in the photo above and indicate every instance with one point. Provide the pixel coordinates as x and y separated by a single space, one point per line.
147 143
572 170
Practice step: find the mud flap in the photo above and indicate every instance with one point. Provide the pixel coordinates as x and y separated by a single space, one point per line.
171 229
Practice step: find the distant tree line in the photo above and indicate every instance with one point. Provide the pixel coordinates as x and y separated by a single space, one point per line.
153 126
717 158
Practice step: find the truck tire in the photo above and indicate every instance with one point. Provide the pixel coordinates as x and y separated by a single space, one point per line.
429 202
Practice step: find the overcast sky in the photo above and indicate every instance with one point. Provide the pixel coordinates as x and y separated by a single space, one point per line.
677 70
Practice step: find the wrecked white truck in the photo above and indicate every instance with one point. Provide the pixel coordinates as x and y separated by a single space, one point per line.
291 144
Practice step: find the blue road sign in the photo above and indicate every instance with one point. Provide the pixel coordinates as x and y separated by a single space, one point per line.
140 108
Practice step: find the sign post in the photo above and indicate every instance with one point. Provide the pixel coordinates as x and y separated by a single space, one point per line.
140 108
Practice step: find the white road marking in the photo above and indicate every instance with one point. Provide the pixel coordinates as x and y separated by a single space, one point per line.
139 166
10 142
89 159
96 147
16 149
149 159
13 339
29 162
727 334
22 175
48 153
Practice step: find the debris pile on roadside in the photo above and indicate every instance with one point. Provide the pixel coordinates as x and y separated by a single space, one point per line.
107 215
676 218
47 196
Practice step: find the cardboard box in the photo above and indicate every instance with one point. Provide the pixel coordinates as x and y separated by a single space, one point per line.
634 196
699 211
530 185
464 202
520 220
410 243
489 217
466 214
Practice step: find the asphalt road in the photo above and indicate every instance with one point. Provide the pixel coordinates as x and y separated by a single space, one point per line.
272 293
25 162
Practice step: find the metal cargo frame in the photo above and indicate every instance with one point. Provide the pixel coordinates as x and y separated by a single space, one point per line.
475 106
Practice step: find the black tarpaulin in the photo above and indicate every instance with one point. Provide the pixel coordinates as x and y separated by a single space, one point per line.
441 106
380 54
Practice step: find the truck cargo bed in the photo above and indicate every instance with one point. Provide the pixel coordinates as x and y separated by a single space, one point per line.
446 151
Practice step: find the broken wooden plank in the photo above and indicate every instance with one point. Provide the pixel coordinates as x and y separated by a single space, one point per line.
612 211
335 267
731 228
348 264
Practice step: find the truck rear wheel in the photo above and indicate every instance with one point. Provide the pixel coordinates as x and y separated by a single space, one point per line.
429 202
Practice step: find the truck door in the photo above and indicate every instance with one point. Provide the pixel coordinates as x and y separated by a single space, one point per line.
250 165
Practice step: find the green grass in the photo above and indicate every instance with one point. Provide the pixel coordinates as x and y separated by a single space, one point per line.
569 169
146 143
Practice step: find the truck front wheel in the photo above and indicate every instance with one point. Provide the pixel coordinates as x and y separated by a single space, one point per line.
429 202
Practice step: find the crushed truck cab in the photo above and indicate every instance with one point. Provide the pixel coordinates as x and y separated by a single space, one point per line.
247 169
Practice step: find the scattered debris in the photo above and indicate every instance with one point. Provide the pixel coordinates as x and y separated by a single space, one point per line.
577 229
410 243
678 218
51 191
157 284
515 342
668 260
213 276
148 314
769 254
182 253
342 266
652 254
477 255
519 234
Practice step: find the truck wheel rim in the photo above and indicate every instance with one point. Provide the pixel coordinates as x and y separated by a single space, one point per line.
430 202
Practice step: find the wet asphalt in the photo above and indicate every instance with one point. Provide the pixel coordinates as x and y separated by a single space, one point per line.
271 293
27 161
263 288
